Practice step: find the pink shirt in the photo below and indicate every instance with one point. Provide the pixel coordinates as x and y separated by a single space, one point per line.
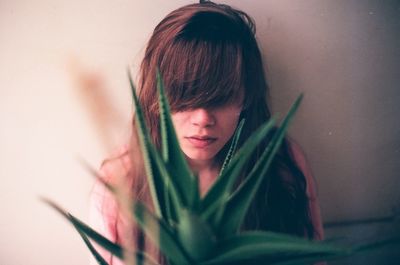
105 216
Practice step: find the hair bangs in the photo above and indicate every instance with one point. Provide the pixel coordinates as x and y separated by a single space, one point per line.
202 74
203 70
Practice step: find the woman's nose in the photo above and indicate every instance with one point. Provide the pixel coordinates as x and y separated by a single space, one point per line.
202 117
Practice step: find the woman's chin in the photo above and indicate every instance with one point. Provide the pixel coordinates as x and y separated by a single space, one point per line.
200 156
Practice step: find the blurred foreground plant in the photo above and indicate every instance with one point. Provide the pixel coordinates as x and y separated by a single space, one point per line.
190 229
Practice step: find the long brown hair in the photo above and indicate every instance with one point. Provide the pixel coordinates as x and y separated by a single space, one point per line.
208 55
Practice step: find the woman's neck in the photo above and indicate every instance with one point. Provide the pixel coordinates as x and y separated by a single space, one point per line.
206 171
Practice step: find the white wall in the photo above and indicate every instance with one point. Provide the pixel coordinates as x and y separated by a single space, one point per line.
343 55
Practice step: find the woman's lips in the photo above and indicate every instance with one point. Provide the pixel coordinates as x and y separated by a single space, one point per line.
201 141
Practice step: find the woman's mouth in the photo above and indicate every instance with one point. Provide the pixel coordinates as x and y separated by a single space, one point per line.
201 141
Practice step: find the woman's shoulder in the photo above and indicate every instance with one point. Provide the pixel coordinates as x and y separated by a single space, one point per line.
315 212
116 166
301 161
298 154
113 171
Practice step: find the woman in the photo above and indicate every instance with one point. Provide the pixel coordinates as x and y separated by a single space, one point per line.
213 73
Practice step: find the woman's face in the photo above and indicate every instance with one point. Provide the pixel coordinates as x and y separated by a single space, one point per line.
203 132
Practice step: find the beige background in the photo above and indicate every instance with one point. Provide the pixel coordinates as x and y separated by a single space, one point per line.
344 55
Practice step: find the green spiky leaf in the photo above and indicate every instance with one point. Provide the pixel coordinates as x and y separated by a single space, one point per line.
182 181
113 248
220 191
195 235
161 234
92 250
232 148
237 206
262 246
153 178
157 174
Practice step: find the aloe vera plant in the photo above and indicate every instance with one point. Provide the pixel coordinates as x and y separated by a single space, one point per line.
190 229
